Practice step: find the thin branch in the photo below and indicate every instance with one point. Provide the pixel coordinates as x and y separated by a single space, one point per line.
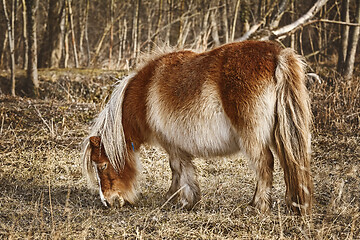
316 21
179 19
337 22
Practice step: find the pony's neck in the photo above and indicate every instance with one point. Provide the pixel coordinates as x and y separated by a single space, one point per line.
129 177
134 112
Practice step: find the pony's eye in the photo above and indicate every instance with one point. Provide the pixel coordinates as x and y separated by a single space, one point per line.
102 167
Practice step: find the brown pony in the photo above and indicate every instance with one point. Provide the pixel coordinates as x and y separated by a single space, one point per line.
247 96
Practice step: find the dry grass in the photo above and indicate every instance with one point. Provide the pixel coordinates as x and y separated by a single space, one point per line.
43 195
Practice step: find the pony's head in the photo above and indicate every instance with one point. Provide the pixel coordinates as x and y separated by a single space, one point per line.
112 183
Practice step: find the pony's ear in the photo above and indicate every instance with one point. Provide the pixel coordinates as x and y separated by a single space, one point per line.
95 141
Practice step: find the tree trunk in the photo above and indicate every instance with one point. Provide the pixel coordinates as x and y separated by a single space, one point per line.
66 37
181 26
127 67
136 28
81 20
168 30
32 73
121 42
319 38
344 36
73 41
245 16
51 48
260 10
149 27
214 28
122 39
10 26
86 33
158 20
3 50
111 32
225 21
293 36
275 21
26 43
204 35
234 21
351 52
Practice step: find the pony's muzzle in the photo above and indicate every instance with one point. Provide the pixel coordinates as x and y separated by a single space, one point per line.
104 201
112 201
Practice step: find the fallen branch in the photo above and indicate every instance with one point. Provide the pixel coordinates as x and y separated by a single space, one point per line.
303 19
337 22
266 34
251 31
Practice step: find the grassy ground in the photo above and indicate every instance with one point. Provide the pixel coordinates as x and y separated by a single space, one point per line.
43 194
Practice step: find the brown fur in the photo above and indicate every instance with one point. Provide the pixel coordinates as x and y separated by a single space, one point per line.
247 96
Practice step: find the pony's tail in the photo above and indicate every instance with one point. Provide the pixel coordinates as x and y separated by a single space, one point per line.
292 130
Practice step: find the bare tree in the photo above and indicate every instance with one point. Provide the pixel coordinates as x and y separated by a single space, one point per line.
111 32
292 36
135 32
32 73
26 43
214 28
245 15
65 38
122 41
71 18
232 36
182 23
351 51
159 19
204 34
11 28
169 20
3 50
51 48
225 21
344 36
86 32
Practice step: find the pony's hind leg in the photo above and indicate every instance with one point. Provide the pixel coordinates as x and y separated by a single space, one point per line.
264 166
184 184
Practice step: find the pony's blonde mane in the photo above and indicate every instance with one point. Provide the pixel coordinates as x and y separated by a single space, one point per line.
108 125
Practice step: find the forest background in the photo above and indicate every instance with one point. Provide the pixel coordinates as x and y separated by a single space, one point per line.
114 34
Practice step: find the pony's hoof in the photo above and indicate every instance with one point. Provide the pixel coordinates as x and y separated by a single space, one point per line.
261 206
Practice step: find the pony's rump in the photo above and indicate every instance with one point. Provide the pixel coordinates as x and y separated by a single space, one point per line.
247 96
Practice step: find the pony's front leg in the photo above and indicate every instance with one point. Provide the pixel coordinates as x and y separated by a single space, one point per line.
264 173
184 184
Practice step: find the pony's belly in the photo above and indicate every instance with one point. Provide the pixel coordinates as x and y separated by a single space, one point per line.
200 135
211 137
